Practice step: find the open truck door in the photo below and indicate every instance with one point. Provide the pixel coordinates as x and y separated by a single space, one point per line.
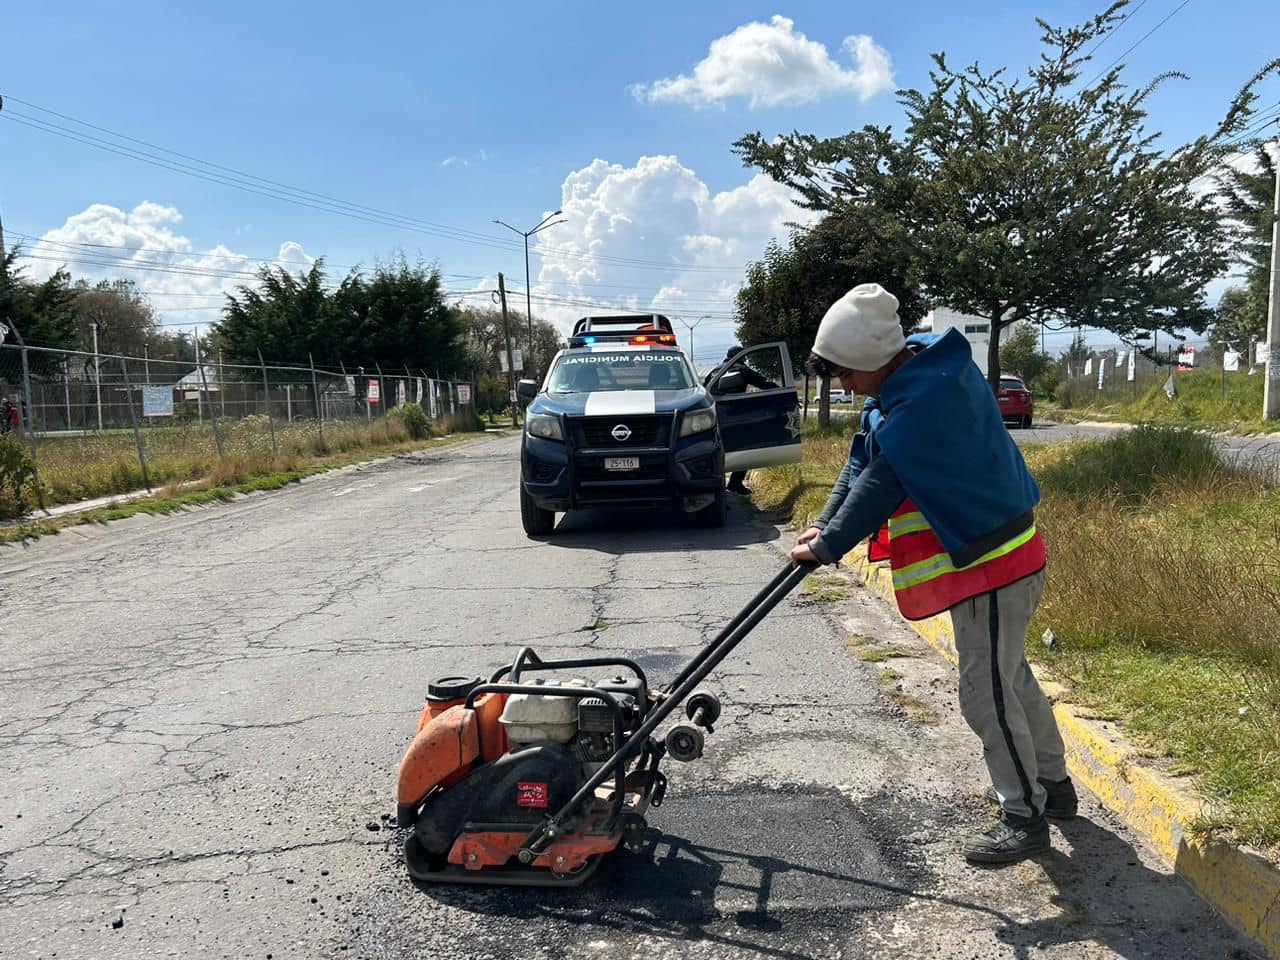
757 407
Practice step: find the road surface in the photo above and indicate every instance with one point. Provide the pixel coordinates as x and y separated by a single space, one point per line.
203 715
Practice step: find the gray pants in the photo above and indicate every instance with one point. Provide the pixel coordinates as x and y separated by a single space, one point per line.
1000 698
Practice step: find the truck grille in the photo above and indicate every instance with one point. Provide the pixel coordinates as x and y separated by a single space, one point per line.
645 431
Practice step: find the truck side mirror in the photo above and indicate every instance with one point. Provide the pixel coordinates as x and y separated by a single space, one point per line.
527 389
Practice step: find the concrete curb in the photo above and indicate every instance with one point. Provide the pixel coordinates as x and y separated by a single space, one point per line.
1242 886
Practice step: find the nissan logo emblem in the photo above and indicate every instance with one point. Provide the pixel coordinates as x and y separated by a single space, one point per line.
621 432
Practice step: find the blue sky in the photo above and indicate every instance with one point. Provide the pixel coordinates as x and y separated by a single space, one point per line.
456 114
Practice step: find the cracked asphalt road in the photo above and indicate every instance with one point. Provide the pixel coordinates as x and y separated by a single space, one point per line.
203 714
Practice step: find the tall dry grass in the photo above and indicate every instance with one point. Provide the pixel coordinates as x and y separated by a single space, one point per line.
1163 591
77 468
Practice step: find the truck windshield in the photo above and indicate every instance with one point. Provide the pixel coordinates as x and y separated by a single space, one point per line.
620 370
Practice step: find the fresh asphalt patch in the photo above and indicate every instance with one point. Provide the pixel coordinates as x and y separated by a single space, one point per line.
787 871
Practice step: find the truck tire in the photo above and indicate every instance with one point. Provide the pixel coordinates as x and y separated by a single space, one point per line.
713 516
536 521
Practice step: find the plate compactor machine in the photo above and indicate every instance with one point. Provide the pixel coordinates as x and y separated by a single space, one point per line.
529 780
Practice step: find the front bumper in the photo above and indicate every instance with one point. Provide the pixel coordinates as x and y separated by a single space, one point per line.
559 476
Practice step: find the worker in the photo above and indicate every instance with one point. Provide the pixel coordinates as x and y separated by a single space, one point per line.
933 461
752 379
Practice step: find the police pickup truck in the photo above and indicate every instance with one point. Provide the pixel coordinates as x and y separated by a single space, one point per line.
621 420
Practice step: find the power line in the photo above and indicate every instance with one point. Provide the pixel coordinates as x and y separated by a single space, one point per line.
185 164
1254 129
1138 42
93 258
1116 29
236 257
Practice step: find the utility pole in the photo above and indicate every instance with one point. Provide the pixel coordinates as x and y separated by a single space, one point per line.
528 300
1271 386
97 371
506 332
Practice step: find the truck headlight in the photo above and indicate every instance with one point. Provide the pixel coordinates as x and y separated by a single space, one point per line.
544 426
697 421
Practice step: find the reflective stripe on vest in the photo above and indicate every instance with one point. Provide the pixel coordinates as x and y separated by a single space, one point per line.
927 582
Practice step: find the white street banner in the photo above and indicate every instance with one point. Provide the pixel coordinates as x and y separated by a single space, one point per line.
1088 367
418 395
157 401
1261 353
1102 370
1230 361
351 386
517 360
464 393
400 393
1132 366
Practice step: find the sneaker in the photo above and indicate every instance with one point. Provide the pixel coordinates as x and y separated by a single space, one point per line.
1059 804
1007 841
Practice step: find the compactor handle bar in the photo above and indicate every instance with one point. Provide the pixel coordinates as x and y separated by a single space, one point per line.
694 673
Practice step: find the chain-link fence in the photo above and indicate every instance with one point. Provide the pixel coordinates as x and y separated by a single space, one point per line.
1121 375
100 424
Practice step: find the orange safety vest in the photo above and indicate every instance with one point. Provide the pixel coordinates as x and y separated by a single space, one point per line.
926 582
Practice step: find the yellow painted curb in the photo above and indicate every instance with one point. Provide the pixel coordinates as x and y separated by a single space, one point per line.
1243 887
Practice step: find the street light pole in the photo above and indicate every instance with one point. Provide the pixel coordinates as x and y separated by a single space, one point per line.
689 326
528 300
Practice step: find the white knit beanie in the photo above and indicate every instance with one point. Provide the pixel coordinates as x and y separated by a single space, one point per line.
861 330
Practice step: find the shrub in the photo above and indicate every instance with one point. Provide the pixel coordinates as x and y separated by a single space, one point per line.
415 420
17 477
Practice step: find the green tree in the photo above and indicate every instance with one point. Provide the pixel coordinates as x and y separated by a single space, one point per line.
1248 189
44 311
1078 353
1030 200
487 343
406 321
124 317
283 316
394 317
1241 318
1020 354
789 289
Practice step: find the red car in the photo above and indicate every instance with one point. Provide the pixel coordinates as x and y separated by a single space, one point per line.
1015 402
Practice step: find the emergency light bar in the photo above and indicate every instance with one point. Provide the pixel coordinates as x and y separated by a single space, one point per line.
626 337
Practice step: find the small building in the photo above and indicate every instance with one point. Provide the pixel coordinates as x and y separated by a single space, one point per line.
977 330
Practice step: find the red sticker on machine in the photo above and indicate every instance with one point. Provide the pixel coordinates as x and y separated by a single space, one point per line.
531 794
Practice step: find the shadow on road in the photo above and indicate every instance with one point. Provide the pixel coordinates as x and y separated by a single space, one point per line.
680 890
657 530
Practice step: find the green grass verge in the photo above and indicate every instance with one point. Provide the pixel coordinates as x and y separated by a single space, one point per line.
1164 594
1201 402
207 491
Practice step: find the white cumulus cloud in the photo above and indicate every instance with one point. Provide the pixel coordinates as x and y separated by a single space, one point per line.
185 285
771 64
653 237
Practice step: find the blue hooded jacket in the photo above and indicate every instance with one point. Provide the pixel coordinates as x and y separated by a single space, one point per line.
938 427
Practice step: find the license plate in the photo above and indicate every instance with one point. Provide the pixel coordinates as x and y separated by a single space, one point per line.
622 463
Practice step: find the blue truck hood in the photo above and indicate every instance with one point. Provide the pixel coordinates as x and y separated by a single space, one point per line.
619 403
